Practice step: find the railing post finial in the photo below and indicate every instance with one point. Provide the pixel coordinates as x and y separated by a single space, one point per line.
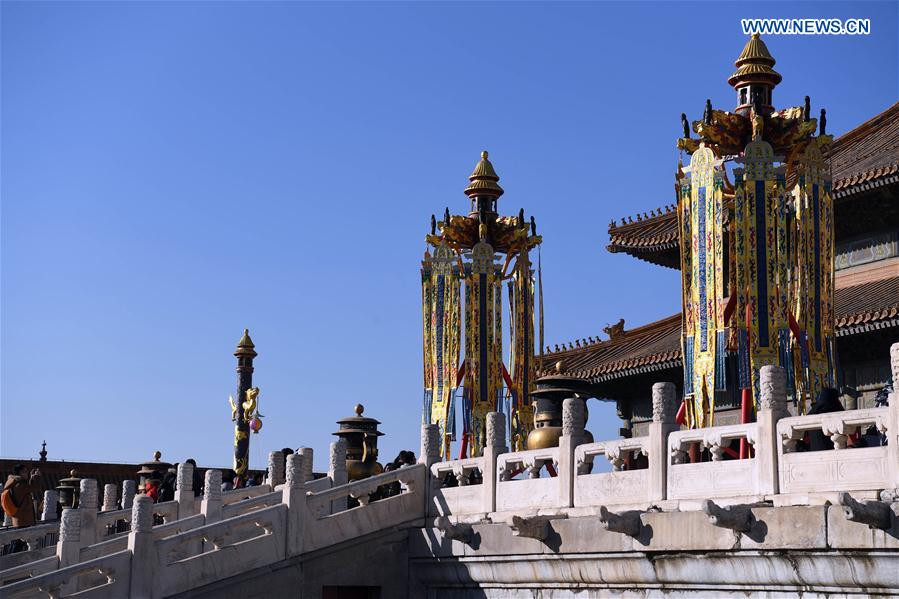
664 403
276 468
430 444
307 454
295 470
109 497
142 514
573 416
773 389
185 480
496 429
51 500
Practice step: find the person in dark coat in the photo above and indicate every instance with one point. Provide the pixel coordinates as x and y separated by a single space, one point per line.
828 400
167 486
198 478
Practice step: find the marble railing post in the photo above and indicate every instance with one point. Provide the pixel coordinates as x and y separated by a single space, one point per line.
496 445
129 490
893 420
307 454
293 495
87 505
110 501
573 420
429 452
143 552
51 501
276 464
211 506
68 547
184 491
337 472
664 413
772 407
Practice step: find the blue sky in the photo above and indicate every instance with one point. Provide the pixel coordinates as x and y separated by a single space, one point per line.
174 172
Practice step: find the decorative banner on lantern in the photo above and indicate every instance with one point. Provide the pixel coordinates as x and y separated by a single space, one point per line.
700 212
523 367
427 337
442 331
483 344
813 287
762 261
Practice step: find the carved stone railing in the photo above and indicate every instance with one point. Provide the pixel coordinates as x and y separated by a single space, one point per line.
464 497
194 558
322 528
532 490
167 510
235 495
617 487
718 477
29 569
160 531
253 503
32 535
839 469
106 577
105 520
98 522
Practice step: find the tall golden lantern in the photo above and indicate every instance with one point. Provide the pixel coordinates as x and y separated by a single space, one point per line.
756 255
477 250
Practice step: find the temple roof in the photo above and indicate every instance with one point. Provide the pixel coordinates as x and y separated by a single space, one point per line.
656 346
865 158
653 237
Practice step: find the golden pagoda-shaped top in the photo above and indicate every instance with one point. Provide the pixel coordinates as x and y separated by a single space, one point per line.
755 64
484 180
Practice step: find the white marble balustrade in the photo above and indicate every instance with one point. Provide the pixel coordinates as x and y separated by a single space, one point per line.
252 503
235 495
716 478
619 486
322 528
839 469
464 498
532 490
107 577
198 556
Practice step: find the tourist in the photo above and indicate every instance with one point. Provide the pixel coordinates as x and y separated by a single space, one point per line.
151 487
18 495
228 480
198 479
167 486
828 400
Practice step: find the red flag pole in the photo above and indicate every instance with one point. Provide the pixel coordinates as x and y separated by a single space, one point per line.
746 405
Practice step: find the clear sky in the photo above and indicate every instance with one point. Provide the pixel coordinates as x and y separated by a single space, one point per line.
175 172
